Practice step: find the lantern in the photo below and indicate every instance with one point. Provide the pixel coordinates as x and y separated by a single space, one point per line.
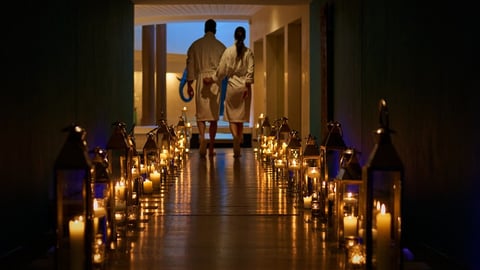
120 153
259 130
383 176
103 196
74 203
266 129
163 136
331 150
283 133
181 134
312 190
294 163
151 154
348 184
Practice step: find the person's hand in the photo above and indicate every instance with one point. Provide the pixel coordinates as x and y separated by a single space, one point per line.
190 91
246 94
208 80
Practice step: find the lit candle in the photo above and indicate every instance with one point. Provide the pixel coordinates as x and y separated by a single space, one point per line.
307 202
279 163
77 242
143 169
98 209
384 221
294 165
349 226
155 178
120 191
313 172
147 186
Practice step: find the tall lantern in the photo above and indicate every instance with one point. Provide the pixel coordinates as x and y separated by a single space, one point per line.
266 129
74 203
312 189
383 176
103 199
331 150
348 185
119 153
151 157
163 136
294 163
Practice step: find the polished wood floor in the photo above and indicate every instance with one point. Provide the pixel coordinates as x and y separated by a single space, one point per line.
226 213
223 212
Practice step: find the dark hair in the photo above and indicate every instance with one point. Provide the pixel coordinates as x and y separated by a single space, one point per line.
239 37
210 26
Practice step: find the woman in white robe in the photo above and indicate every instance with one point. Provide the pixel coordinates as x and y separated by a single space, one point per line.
237 64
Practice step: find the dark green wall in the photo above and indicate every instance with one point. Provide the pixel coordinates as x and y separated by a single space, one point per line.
64 61
422 57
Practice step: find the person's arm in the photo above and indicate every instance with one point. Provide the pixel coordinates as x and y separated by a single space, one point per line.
249 74
190 88
190 71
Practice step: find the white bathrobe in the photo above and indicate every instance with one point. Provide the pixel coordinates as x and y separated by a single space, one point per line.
203 57
239 72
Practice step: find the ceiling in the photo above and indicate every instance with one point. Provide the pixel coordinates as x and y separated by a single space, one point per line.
162 11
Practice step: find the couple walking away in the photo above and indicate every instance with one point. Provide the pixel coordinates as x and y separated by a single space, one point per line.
208 63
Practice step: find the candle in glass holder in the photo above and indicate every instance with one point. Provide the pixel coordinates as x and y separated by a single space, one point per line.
383 238
307 202
155 178
147 186
77 242
349 226
313 172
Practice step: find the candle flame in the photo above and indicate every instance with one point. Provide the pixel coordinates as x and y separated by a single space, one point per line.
382 209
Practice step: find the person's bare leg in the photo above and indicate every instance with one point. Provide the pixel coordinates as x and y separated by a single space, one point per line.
236 139
212 133
201 137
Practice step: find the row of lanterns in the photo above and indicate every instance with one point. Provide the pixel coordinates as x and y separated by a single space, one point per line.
99 193
360 205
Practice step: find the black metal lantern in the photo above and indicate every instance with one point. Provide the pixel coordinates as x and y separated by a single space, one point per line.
312 189
74 203
164 138
347 192
283 133
383 176
120 152
151 154
103 200
294 162
331 150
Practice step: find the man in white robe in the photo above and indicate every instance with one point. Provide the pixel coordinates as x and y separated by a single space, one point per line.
203 57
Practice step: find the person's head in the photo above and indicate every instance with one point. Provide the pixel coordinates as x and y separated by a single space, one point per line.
210 26
240 33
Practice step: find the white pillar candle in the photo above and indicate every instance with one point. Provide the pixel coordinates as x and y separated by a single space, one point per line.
147 186
384 222
307 202
155 178
120 191
77 243
313 172
350 226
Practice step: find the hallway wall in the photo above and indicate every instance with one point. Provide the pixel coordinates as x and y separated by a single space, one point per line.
65 62
420 58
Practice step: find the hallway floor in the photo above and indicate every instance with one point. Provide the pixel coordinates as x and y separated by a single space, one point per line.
225 213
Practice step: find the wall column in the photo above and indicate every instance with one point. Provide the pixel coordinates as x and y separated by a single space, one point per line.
161 68
148 79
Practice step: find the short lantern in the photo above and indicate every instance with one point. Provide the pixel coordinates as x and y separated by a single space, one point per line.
348 184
